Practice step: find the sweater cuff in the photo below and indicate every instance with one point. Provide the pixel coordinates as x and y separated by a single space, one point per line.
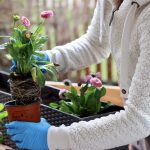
56 57
58 138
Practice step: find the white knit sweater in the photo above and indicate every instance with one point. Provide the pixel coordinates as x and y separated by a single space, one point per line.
126 126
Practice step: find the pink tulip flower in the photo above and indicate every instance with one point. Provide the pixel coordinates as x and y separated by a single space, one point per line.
96 82
47 14
25 21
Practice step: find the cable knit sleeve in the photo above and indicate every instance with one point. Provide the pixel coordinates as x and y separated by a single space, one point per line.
119 129
84 51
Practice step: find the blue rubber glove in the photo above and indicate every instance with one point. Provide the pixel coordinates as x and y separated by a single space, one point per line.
28 135
45 58
14 65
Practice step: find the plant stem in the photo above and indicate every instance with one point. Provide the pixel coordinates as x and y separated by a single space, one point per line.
41 23
4 36
14 24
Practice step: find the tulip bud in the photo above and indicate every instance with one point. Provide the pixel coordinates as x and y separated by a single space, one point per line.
25 21
16 18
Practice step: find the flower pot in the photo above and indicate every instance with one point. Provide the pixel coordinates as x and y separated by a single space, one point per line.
26 99
29 112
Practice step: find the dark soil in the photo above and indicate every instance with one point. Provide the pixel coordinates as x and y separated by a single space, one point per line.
23 89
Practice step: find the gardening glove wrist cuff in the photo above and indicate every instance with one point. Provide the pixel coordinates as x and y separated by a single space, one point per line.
56 57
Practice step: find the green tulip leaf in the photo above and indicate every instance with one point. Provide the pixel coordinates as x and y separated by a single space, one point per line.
1 106
3 115
74 91
103 91
54 105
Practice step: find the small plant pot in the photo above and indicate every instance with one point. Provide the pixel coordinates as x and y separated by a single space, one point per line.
28 113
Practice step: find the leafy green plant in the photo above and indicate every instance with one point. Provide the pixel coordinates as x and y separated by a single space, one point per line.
84 103
3 114
25 46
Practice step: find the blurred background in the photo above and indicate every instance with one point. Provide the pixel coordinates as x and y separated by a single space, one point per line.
71 20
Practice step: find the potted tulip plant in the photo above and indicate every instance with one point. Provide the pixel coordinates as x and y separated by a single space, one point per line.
29 68
86 103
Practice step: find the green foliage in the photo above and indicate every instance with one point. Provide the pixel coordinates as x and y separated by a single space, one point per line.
84 104
3 114
24 47
1 138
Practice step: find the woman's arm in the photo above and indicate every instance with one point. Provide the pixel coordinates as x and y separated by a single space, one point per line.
119 129
85 50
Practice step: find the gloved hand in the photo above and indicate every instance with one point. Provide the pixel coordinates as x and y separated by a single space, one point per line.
29 135
14 65
45 58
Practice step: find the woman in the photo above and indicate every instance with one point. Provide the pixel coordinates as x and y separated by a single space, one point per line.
122 28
